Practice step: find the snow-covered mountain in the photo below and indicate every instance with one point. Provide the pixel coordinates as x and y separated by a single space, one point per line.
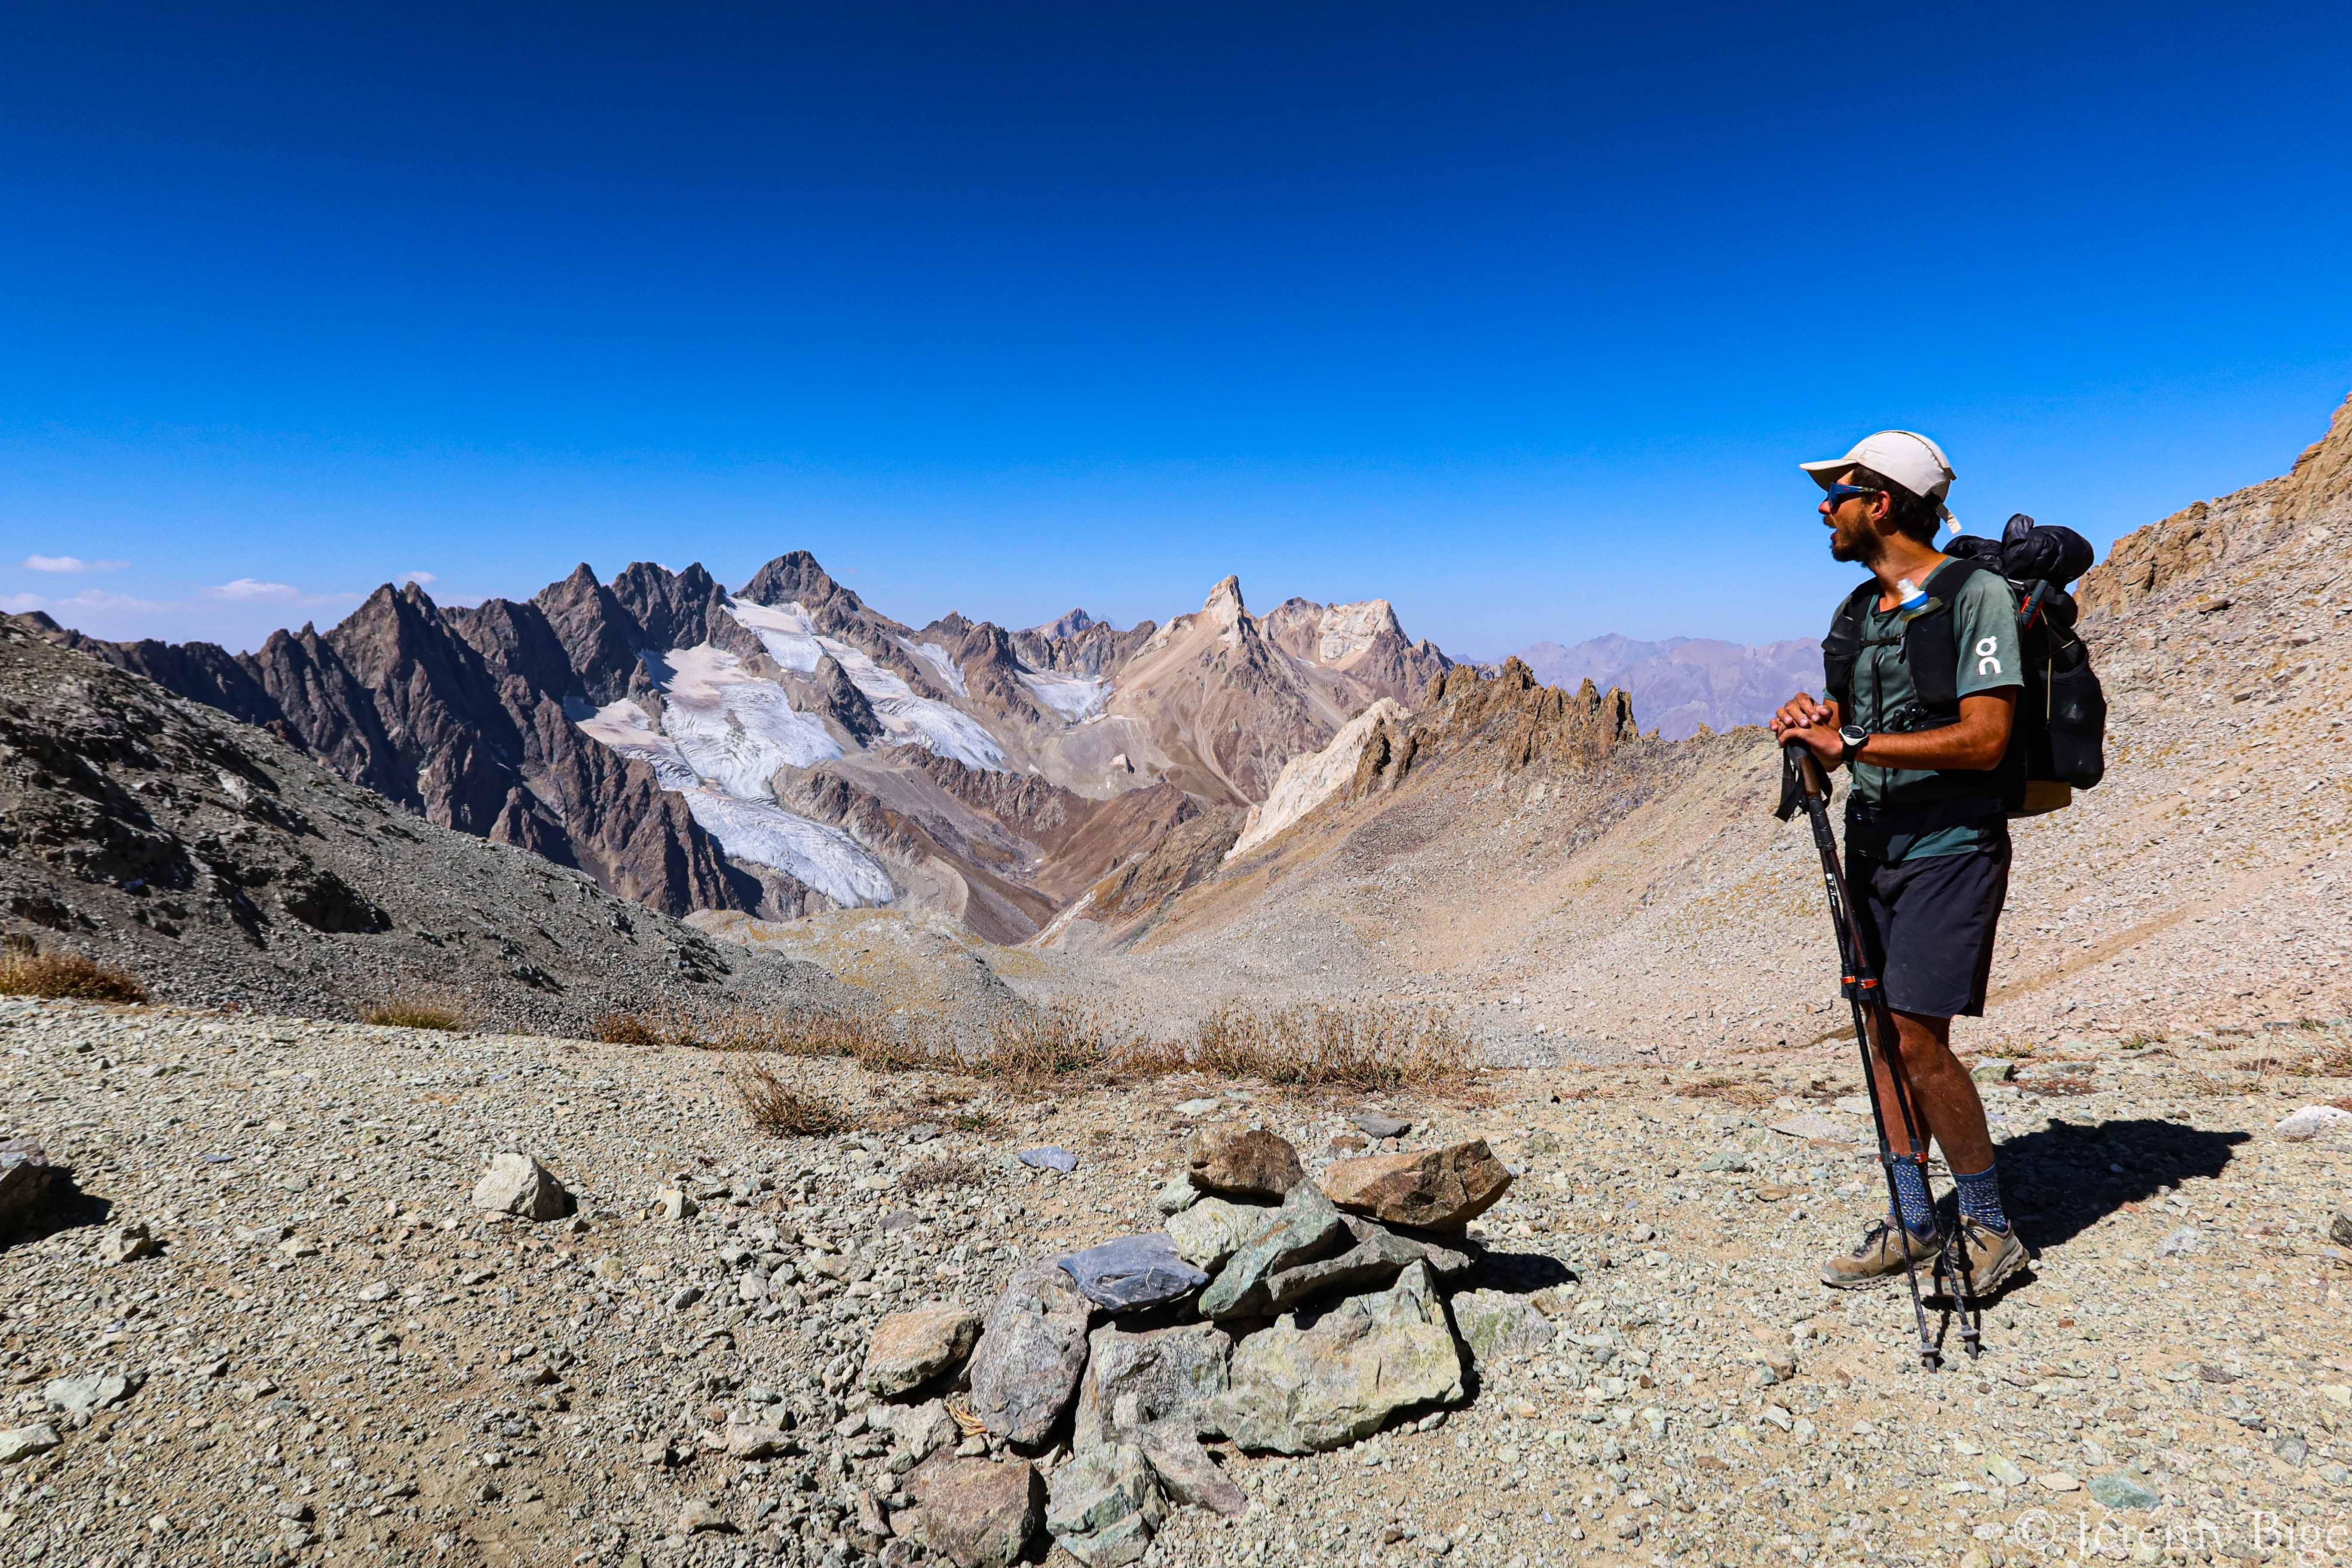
786 747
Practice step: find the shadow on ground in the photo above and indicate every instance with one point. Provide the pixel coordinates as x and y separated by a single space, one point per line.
60 1205
2059 1182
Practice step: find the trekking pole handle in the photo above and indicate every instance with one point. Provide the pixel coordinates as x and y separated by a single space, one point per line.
1809 772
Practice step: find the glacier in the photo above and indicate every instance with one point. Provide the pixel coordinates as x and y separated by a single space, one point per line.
791 640
730 731
1075 696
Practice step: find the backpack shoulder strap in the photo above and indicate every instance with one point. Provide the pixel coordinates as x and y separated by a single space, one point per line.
1843 646
1931 649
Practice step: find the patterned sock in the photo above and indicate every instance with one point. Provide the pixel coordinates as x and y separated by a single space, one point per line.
1918 1210
1980 1198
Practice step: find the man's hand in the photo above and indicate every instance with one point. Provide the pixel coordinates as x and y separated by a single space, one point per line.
1801 712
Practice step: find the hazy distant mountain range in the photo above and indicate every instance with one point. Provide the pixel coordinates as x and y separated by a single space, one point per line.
1681 683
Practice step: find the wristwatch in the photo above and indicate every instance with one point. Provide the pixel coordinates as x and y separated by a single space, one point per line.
1853 735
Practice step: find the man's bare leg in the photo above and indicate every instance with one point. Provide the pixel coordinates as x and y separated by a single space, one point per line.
1941 1091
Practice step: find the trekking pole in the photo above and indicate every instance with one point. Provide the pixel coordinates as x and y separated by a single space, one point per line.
1805 785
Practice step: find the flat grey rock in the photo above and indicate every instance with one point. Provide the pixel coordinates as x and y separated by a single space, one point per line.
1377 1255
1133 1272
1050 1158
1373 1124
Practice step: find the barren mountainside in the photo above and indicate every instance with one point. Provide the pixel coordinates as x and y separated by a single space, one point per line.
223 868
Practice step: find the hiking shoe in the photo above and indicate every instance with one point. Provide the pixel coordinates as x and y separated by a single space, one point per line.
1989 1256
1887 1248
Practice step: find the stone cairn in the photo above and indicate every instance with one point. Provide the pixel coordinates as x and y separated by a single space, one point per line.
1132 1352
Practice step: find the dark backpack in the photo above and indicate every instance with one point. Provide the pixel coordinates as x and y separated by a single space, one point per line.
2058 744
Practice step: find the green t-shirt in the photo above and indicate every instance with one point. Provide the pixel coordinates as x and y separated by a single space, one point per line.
1984 630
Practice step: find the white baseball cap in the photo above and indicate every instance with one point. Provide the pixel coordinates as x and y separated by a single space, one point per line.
1908 457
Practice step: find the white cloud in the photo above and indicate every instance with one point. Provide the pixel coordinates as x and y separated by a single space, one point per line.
87 599
69 564
254 588
254 591
422 579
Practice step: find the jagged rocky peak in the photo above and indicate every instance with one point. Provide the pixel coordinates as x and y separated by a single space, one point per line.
1224 607
796 577
1068 625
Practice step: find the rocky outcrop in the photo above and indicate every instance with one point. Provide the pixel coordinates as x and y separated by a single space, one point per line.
1512 720
2184 551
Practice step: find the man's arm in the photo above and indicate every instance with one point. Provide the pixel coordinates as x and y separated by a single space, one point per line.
1977 742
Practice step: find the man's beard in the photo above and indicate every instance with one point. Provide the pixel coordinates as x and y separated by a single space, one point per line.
1844 549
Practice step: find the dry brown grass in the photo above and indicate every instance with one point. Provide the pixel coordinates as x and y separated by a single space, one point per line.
938 1171
874 1044
1731 1091
774 1107
630 1030
1368 1050
1054 1044
67 976
413 1013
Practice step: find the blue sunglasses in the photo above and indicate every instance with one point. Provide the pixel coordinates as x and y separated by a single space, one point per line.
1840 494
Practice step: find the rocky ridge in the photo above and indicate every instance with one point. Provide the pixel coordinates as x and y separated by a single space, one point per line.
787 748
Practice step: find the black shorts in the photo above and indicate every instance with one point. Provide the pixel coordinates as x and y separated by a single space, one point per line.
1928 925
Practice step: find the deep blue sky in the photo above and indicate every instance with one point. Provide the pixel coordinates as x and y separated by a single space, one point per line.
1518 315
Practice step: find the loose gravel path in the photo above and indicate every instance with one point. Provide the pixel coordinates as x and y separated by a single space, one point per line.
330 1356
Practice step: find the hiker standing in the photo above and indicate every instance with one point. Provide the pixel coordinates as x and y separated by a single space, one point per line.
1923 672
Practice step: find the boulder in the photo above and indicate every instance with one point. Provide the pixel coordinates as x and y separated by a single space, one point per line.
1026 1365
27 1181
1497 1323
1373 1124
753 1440
1213 1229
1298 1391
518 1185
1103 1506
1431 1189
1185 1470
979 1513
1249 1161
1133 1272
2311 1121
2340 1228
1050 1157
23 1442
1305 1228
1377 1256
82 1397
1156 1376
910 1349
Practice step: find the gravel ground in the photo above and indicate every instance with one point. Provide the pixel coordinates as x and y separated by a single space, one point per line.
331 1356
